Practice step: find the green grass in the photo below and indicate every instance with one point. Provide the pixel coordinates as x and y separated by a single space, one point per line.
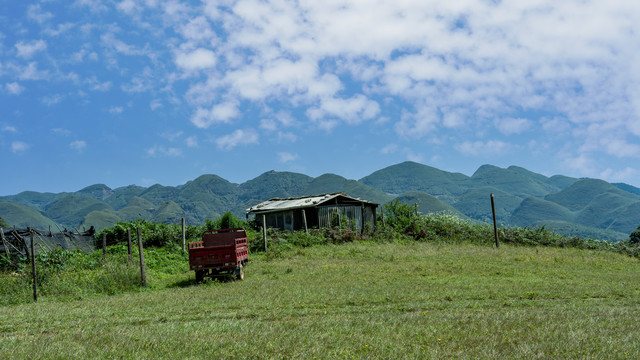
356 300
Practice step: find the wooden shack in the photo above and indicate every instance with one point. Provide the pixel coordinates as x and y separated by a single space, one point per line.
317 211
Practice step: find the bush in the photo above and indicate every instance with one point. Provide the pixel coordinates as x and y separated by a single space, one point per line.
634 238
226 221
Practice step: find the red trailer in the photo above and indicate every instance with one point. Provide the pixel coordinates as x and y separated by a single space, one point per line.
221 252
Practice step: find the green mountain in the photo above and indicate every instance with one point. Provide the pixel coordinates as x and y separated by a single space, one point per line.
411 176
532 210
427 203
476 204
579 194
158 194
274 184
331 183
72 209
33 199
169 213
122 196
513 180
22 216
524 198
137 208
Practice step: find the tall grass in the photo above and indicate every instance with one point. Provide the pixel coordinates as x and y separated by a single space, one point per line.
358 300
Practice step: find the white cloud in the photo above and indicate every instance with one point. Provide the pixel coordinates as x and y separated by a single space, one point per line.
628 174
35 13
353 110
127 6
18 147
116 110
60 132
27 50
196 60
198 29
287 136
155 104
481 148
52 99
285 157
510 126
78 145
14 88
389 149
220 113
60 29
9 128
164 151
238 137
31 72
192 142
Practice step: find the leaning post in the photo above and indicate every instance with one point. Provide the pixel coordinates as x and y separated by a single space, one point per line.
143 272
495 222
129 246
33 267
184 238
264 231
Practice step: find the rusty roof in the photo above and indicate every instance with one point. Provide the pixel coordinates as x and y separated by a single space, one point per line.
280 204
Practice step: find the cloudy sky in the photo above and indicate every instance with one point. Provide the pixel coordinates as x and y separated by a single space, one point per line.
162 91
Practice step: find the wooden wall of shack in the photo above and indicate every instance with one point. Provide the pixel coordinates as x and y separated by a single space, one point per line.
322 215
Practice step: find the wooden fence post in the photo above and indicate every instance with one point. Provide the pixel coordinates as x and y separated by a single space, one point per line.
143 272
264 231
129 246
304 220
495 222
104 244
184 238
33 268
4 243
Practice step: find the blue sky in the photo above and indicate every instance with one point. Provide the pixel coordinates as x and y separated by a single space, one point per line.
162 91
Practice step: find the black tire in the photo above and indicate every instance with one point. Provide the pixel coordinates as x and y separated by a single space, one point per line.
240 274
199 276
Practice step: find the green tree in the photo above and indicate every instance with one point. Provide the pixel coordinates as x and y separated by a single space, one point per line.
634 238
3 224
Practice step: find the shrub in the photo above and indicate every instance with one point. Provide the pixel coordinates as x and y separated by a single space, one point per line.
634 238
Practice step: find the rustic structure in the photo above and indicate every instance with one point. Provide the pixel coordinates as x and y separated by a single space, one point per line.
318 211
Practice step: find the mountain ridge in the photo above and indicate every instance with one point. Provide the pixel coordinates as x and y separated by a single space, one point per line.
523 198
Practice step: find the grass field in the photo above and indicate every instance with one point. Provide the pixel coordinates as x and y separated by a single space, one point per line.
356 300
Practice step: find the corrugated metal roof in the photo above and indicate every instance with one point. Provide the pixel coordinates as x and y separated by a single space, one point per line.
278 204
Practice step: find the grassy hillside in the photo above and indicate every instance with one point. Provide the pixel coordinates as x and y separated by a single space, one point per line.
411 176
355 300
476 203
579 230
122 196
427 203
532 210
275 184
72 209
22 216
33 199
514 181
331 183
582 192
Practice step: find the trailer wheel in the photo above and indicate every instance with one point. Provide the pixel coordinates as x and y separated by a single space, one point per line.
199 276
240 275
